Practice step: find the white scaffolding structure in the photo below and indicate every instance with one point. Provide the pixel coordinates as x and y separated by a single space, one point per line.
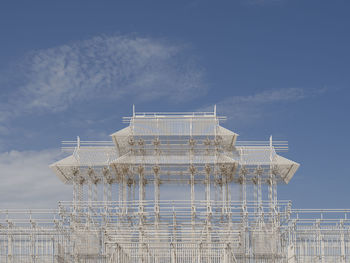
179 188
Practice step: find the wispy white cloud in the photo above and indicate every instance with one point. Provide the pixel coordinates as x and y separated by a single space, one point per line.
27 181
104 67
247 109
269 96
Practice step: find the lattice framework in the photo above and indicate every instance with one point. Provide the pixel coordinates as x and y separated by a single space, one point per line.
226 207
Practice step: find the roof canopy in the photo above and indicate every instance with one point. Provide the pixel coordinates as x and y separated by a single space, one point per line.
176 139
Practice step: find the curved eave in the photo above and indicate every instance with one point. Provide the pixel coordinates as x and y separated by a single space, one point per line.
290 168
60 167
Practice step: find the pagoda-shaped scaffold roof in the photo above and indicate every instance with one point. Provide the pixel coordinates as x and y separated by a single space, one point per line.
175 142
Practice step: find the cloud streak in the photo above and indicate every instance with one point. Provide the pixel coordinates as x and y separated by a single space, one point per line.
104 67
247 109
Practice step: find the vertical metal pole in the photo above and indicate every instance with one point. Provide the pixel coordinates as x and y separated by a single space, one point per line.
156 185
75 173
107 181
259 192
10 242
271 181
90 183
32 240
207 189
222 187
105 185
270 192
342 242
274 192
156 206
242 179
95 190
173 253
244 187
80 198
121 192
255 187
156 193
141 187
124 191
193 208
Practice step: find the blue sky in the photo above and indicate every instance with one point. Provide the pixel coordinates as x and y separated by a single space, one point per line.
277 67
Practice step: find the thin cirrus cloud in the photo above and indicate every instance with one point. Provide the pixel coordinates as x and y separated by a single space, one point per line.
52 80
103 67
247 109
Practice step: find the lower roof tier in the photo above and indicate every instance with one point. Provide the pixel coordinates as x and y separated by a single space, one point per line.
102 164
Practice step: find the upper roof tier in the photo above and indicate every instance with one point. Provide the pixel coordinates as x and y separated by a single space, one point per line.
178 124
173 124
